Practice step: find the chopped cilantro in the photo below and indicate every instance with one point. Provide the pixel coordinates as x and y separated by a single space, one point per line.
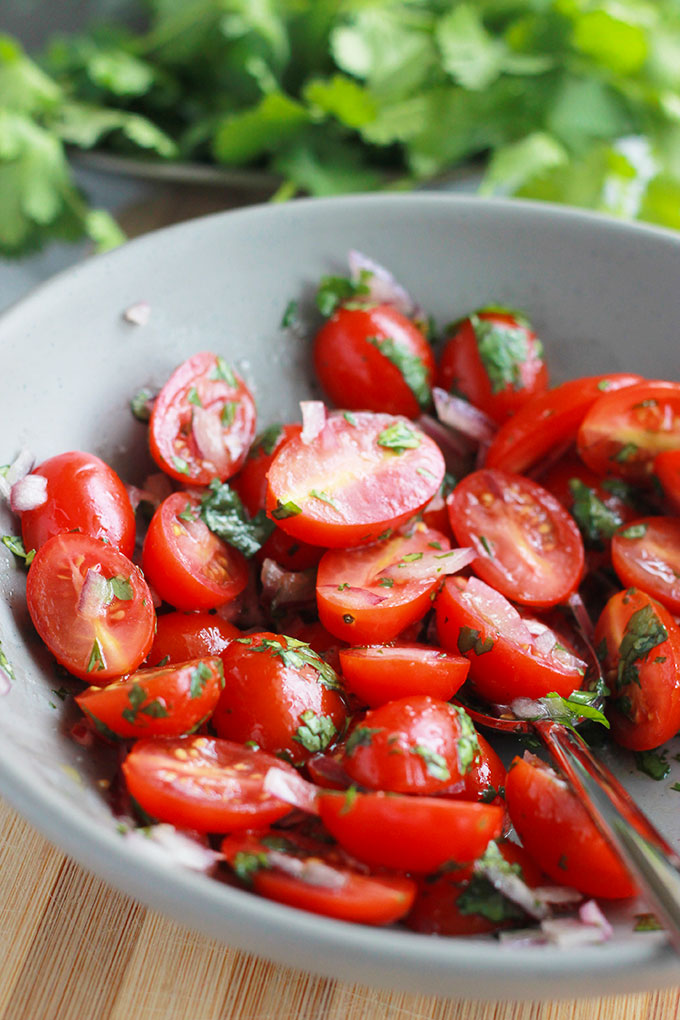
224 372
6 665
316 733
467 744
194 398
228 414
626 453
675 787
121 588
634 531
141 404
189 514
296 655
334 291
350 797
289 317
267 441
503 349
487 546
471 640
597 522
398 437
199 678
361 736
96 660
409 558
569 711
644 631
323 497
480 897
224 513
386 582
653 764
287 509
15 545
102 729
246 864
350 418
435 763
412 368
181 465
647 922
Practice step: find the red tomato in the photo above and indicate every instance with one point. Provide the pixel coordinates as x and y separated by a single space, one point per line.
374 359
495 361
623 432
547 421
380 673
83 494
412 745
370 595
362 474
183 636
667 471
165 702
485 779
646 554
91 606
556 830
203 783
527 546
187 564
638 643
309 882
415 834
281 695
506 659
202 422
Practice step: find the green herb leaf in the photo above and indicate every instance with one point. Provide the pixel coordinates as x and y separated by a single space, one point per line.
199 678
467 743
15 545
398 437
361 736
141 404
412 368
634 531
287 509
644 631
503 350
470 639
316 732
435 763
334 291
224 372
224 513
653 764
597 522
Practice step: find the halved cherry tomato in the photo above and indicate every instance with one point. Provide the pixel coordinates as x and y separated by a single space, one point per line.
204 783
91 606
417 834
558 833
380 673
309 881
528 547
202 422
83 494
183 636
638 643
646 554
370 595
495 361
362 474
485 779
623 432
374 359
189 566
667 471
281 695
158 702
548 421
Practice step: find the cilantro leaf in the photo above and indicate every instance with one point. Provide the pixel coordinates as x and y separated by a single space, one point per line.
316 732
410 365
644 632
334 291
398 437
226 516
503 349
653 764
597 522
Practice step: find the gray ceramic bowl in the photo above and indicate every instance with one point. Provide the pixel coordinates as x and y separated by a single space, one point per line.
603 296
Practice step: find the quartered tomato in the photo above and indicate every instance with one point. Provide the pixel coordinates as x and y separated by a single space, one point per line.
527 545
638 644
83 494
91 606
495 361
375 359
188 565
362 474
623 432
646 555
204 783
166 701
380 673
183 636
557 832
202 422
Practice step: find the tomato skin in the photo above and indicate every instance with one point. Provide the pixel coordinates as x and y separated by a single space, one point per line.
265 699
651 560
188 565
528 547
203 783
558 833
377 674
183 636
95 643
83 494
158 702
413 834
549 420
356 374
667 470
462 369
346 486
644 707
485 775
202 385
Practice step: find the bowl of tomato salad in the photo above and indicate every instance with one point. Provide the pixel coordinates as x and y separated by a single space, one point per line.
287 493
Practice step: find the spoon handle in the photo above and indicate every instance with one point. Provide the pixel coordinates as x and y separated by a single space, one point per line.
649 858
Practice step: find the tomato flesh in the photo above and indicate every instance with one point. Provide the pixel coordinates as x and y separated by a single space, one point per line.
380 673
183 636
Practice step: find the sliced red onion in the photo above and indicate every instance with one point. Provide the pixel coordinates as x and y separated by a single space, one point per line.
557 895
513 888
383 288
463 416
521 937
313 419
210 438
495 608
28 493
356 596
138 314
430 566
292 789
83 734
569 932
95 595
590 913
328 768
20 466
544 640
312 870
582 617
286 587
456 449
180 848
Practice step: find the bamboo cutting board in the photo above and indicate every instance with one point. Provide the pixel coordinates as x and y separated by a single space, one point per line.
71 948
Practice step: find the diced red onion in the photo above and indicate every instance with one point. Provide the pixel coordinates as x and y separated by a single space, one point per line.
327 768
383 288
513 888
20 466
456 449
557 894
498 611
138 314
430 566
180 848
313 419
210 438
286 587
82 733
28 493
94 595
569 932
521 937
544 641
312 870
356 596
292 789
590 913
463 416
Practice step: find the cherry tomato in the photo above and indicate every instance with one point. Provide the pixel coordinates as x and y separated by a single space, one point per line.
667 471
203 783
371 594
548 421
415 834
646 554
158 702
281 695
558 833
202 422
83 494
91 606
183 636
528 547
638 643
485 779
189 566
380 673
623 432
374 359
362 474
495 361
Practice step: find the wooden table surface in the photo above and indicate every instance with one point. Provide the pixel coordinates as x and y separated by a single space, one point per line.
71 948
